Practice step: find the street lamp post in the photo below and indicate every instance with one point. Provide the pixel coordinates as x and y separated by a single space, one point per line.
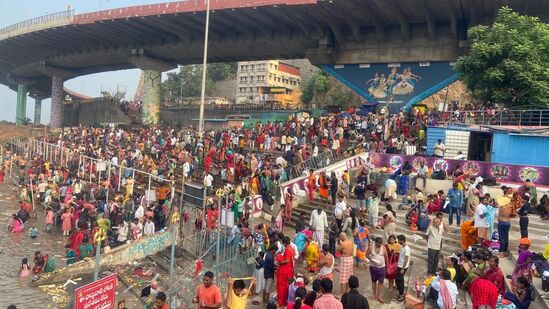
204 64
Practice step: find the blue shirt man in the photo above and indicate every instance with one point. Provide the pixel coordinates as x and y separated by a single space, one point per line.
455 201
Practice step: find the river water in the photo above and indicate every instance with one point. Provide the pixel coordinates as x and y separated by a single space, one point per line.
13 248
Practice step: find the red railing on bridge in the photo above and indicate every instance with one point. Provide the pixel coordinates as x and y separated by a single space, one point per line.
179 7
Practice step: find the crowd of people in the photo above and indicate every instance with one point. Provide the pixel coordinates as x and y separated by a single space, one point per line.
255 161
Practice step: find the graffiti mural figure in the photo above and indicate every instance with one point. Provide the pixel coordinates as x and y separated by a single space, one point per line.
381 86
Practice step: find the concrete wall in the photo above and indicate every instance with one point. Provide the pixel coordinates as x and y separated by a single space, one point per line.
92 113
30 26
146 246
183 116
225 89
307 69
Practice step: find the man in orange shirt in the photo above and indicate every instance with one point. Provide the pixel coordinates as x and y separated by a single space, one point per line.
208 294
161 301
162 193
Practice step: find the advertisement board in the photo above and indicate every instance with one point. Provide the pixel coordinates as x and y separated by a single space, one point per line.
100 294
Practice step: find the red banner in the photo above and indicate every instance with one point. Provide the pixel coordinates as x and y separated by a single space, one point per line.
97 295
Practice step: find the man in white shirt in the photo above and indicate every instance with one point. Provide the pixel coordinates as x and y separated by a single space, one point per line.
480 221
186 170
421 174
315 151
440 149
434 244
443 282
208 181
318 223
339 211
460 156
78 189
123 232
139 212
42 186
403 263
148 229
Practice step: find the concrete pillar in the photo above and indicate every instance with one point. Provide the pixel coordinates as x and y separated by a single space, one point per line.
21 111
37 110
151 97
56 117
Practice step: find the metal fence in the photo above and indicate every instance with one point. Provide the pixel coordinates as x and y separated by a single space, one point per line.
216 251
322 160
521 118
92 169
502 118
38 20
232 262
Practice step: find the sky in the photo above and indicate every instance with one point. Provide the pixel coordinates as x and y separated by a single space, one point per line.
14 11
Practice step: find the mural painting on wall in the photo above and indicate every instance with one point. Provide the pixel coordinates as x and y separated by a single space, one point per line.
395 83
503 172
151 97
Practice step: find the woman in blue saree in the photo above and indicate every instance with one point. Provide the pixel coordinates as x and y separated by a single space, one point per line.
404 181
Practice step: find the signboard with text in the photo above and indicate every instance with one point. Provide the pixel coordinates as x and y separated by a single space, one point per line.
97 295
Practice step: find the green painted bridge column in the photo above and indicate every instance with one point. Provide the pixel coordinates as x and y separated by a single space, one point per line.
37 110
151 97
21 111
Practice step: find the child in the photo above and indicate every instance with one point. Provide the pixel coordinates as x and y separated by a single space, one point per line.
279 219
70 254
411 218
85 249
25 268
33 232
49 219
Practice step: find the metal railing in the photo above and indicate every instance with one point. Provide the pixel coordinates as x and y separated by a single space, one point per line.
234 262
38 20
533 118
322 160
536 117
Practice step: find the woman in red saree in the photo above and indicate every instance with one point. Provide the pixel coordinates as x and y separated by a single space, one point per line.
208 163
284 272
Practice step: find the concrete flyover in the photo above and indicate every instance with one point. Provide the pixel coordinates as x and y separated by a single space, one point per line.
38 55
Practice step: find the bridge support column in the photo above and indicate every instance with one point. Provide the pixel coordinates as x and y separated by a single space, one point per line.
37 110
21 111
151 97
56 118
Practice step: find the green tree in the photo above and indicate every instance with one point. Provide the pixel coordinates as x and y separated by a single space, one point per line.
317 86
187 82
509 61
